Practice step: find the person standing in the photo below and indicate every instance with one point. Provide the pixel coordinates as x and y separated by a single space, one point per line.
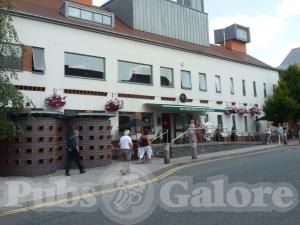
192 132
145 147
73 153
269 134
126 148
279 133
208 130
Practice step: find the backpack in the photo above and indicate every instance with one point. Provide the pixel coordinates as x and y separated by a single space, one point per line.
71 145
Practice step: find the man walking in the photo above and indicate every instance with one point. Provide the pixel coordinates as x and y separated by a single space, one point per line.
126 147
73 153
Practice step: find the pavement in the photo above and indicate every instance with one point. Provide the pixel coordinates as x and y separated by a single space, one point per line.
99 178
251 168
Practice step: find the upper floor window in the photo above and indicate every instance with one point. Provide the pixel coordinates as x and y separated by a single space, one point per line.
244 87
254 89
84 66
90 14
12 56
265 90
203 82
38 60
231 86
186 82
242 34
86 15
166 77
134 72
74 12
183 2
218 84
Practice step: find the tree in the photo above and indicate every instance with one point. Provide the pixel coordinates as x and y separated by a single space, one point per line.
10 98
280 107
291 77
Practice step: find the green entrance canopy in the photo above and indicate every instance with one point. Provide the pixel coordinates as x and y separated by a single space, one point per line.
183 108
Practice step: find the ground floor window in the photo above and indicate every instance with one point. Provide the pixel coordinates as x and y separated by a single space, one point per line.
233 122
147 122
127 120
220 121
246 123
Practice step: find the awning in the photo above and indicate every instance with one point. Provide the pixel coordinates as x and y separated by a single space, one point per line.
262 119
183 108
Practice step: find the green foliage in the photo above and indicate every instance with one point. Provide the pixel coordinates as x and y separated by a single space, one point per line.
10 98
291 77
284 105
280 107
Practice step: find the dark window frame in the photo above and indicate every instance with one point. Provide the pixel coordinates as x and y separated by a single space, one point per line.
143 64
33 66
206 88
84 77
20 69
173 83
190 74
244 88
111 24
220 82
232 91
255 89
265 90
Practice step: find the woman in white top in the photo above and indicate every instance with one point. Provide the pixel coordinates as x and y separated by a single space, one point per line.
269 134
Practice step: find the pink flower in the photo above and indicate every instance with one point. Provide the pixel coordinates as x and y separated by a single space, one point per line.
56 101
114 105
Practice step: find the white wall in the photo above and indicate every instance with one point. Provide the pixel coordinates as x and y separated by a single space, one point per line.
57 39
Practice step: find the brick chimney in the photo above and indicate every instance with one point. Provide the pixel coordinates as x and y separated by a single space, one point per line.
84 2
235 45
234 37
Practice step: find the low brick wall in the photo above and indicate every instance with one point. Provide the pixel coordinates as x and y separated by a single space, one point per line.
41 149
185 150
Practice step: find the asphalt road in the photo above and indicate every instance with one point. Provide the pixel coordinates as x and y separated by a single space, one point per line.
271 167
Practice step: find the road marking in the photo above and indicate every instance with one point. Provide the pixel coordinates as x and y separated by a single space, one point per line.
138 184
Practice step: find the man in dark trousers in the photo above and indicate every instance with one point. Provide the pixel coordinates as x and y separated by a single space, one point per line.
73 153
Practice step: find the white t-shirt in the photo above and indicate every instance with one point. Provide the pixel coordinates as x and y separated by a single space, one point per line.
125 142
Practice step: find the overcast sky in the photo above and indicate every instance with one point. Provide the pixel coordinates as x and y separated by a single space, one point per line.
274 24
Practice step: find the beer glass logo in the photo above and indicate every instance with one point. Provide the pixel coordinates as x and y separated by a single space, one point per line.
130 200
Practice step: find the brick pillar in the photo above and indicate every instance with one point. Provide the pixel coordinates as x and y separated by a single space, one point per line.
27 58
138 116
84 2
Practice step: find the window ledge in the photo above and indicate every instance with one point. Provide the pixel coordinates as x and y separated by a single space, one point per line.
124 82
85 78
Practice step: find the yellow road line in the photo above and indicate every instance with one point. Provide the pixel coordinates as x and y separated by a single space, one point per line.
138 184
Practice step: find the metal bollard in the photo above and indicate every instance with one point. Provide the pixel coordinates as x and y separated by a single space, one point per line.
167 153
194 151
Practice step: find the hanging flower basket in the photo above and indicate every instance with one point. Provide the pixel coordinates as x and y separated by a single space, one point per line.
56 101
243 110
255 110
232 109
114 105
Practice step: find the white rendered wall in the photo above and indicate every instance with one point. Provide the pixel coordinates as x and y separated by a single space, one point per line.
57 39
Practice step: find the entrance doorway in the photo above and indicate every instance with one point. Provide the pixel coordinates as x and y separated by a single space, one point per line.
166 125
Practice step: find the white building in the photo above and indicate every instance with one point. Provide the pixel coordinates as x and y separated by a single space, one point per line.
147 59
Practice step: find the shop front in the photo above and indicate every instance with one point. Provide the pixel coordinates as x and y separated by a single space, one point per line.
176 118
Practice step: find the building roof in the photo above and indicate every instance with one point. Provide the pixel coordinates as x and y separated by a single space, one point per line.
48 11
292 58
